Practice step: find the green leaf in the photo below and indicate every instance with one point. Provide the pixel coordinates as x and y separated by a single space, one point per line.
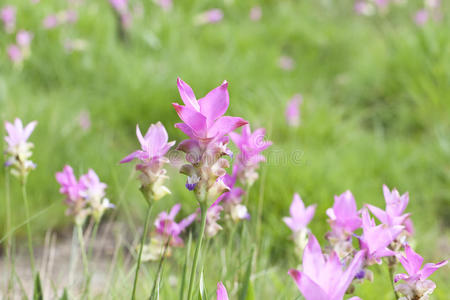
64 295
250 292
245 287
202 291
37 294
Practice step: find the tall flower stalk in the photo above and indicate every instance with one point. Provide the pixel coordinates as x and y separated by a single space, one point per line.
154 145
207 127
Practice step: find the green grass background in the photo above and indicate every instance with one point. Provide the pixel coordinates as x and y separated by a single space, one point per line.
376 111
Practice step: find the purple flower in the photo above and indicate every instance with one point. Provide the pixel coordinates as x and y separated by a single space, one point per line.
395 206
250 145
203 119
421 17
255 13
376 239
15 54
23 38
167 227
69 185
8 17
154 144
417 285
17 134
293 111
300 216
51 21
324 278
232 199
344 216
221 292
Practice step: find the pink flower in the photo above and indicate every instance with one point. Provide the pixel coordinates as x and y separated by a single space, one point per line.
203 119
214 15
250 145
154 144
24 38
300 216
51 21
84 120
293 111
8 17
212 216
166 5
15 54
375 238
167 227
120 6
324 278
70 16
232 199
255 13
69 185
416 285
17 134
92 185
344 216
19 148
221 292
286 63
395 206
421 17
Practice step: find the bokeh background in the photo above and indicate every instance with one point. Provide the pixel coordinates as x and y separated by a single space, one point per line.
376 109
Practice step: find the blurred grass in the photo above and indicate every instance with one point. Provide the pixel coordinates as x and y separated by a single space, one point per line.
376 107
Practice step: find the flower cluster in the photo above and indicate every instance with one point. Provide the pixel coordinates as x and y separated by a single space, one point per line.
293 111
386 240
154 146
84 197
211 16
8 17
18 150
122 12
431 10
60 18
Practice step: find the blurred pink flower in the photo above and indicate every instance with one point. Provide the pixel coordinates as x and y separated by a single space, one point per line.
211 16
255 13
15 54
221 292
69 16
286 63
165 4
51 21
203 119
93 188
324 278
24 38
212 216
421 17
84 120
293 110
417 285
120 6
300 216
69 185
8 17
167 227
344 216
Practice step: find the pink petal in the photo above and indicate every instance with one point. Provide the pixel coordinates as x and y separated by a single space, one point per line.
224 125
192 118
297 208
313 260
215 103
187 95
174 211
29 129
346 279
130 157
430 268
221 292
379 213
309 289
186 129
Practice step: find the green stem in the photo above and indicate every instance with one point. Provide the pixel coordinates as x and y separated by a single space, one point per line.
158 273
27 216
391 277
144 234
84 257
185 267
203 209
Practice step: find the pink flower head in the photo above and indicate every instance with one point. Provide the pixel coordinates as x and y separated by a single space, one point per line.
293 111
235 194
324 278
286 63
154 144
17 134
395 206
412 263
69 185
376 239
344 216
212 216
300 216
166 226
120 6
94 189
70 16
8 17
51 21
166 5
255 13
221 292
421 17
203 119
15 54
24 38
214 15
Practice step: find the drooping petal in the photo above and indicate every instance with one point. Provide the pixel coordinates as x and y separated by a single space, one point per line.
430 268
215 103
413 261
186 129
131 156
224 125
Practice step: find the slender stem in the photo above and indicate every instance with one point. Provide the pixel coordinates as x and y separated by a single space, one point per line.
391 277
203 208
144 234
8 228
158 273
185 267
92 239
27 216
84 257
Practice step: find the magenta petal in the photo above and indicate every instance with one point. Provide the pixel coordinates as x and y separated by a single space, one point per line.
309 289
224 125
174 211
186 129
297 208
29 129
346 279
430 268
187 95
215 103
399 277
192 118
379 213
313 260
221 292
130 157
